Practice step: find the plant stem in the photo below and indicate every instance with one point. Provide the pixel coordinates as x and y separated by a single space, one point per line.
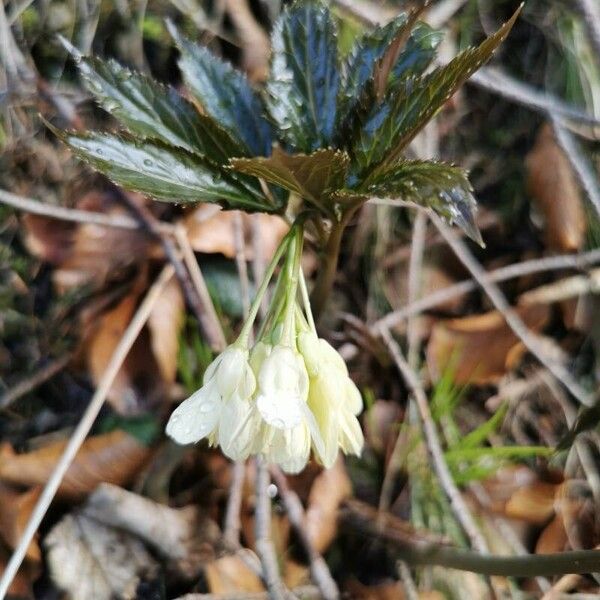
326 276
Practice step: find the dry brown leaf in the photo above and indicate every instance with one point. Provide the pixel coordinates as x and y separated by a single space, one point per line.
553 185
295 574
231 575
14 515
164 323
330 488
185 537
21 586
553 538
477 349
139 385
533 503
87 559
256 48
114 457
86 254
212 231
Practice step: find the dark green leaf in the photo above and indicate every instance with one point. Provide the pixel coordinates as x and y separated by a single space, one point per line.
225 94
160 171
445 188
389 127
311 176
304 80
150 109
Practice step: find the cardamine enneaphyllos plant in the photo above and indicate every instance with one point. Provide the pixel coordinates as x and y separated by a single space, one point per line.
330 133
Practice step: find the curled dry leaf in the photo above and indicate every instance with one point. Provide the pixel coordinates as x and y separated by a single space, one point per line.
478 349
151 363
212 231
16 508
88 559
553 185
86 254
231 575
533 503
114 457
330 488
183 536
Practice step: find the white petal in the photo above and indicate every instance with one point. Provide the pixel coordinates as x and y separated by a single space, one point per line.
290 448
233 372
282 410
354 401
308 344
195 417
238 427
351 435
212 368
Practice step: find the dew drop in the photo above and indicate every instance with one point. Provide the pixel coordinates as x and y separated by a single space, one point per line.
208 407
147 162
99 151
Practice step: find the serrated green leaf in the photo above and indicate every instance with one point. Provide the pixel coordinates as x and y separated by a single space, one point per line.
152 110
445 188
312 176
385 131
225 94
160 171
304 80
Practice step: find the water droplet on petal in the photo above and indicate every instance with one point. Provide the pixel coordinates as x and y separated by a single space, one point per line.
147 162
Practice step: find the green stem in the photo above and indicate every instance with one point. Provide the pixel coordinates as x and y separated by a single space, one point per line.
245 333
326 276
292 292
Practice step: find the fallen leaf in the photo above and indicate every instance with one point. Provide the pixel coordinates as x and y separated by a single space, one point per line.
86 254
14 515
184 537
295 574
533 503
477 349
21 586
330 488
553 185
165 322
114 457
88 559
212 231
231 575
553 538
138 385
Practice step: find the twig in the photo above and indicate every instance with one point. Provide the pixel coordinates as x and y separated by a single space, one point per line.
410 589
70 214
84 426
318 567
461 510
262 528
529 339
231 533
32 381
420 552
581 165
527 267
210 320
590 11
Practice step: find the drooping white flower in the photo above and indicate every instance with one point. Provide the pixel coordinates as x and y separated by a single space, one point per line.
222 409
333 398
288 426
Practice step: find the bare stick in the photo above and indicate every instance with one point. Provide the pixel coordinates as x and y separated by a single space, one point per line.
527 267
590 10
318 567
32 381
262 527
529 339
461 510
231 534
84 426
210 320
580 163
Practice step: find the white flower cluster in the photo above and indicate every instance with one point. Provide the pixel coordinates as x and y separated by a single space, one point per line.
278 401
291 392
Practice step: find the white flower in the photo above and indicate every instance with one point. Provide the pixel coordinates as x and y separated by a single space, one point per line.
288 425
333 398
222 409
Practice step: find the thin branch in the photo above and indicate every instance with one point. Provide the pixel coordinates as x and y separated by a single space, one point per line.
29 383
262 527
318 567
461 510
529 339
419 552
527 267
84 426
210 320
580 163
231 533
